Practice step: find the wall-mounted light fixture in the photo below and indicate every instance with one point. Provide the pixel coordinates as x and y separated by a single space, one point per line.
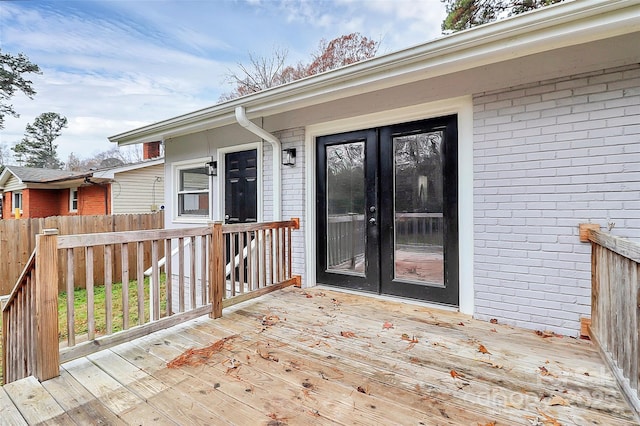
289 157
212 168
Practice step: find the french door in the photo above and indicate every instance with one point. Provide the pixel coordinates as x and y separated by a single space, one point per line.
387 210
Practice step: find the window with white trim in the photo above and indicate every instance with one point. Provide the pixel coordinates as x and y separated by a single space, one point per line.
73 199
193 192
17 200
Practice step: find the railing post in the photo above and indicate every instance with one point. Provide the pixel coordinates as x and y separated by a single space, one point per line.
46 315
216 270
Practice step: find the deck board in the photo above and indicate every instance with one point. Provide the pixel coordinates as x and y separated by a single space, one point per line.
320 357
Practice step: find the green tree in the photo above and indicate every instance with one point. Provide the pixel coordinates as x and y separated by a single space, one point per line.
36 148
464 14
12 71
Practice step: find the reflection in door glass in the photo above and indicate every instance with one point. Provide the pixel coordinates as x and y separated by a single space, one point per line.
418 207
345 208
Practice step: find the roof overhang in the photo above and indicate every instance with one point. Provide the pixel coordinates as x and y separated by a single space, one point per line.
562 25
111 172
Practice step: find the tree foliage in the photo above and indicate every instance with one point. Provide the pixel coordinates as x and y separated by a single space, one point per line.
113 157
266 72
464 14
36 148
12 78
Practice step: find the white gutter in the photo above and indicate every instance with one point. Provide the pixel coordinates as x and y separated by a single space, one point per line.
241 118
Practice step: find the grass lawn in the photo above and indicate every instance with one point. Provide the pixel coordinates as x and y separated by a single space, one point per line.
80 304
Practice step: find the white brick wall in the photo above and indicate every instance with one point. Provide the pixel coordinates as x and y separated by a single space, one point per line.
548 156
293 193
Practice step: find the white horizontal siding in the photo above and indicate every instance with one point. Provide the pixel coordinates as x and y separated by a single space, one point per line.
135 191
13 184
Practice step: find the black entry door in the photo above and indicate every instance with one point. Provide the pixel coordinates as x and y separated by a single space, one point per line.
387 210
241 187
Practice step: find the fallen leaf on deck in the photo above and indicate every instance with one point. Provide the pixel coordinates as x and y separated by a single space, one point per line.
461 323
414 360
307 295
268 356
548 420
545 372
547 333
487 424
455 374
406 337
364 390
558 400
335 301
269 320
493 320
347 334
194 357
483 350
387 326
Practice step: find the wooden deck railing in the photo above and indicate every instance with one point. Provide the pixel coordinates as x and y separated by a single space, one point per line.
615 307
209 268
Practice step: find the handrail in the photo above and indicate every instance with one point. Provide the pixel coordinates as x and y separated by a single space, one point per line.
259 261
615 320
21 279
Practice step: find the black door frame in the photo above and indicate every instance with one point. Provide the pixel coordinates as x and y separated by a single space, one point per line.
379 276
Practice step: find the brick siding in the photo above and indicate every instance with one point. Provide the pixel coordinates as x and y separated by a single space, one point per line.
548 156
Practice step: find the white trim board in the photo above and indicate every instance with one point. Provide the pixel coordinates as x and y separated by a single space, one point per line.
463 107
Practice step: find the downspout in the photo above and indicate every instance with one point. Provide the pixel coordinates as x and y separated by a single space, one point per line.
241 118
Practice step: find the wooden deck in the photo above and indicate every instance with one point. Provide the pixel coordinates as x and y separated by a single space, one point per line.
323 357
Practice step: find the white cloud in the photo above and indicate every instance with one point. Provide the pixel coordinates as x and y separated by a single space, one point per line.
113 66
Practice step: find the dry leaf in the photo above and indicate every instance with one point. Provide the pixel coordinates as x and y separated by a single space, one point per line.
558 400
387 325
364 390
483 350
307 295
268 356
493 320
545 372
461 323
546 333
406 337
195 357
455 374
347 334
269 320
487 424
548 420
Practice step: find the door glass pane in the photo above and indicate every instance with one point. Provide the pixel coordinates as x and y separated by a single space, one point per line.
418 207
345 208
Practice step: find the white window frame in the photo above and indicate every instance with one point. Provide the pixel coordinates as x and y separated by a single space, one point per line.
73 191
17 195
177 167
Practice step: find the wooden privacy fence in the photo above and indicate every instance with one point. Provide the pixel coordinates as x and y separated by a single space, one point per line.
615 306
208 268
18 240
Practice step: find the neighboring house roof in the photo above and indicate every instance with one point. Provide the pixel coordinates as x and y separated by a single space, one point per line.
109 173
31 175
552 28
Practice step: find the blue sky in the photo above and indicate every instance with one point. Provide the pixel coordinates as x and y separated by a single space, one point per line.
111 66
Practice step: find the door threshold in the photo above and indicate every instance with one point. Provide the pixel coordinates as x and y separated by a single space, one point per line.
422 303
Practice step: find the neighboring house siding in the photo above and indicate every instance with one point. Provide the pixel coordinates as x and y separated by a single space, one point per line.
547 157
13 184
135 191
293 193
91 200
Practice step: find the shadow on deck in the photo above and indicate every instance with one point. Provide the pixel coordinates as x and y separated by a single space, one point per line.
318 356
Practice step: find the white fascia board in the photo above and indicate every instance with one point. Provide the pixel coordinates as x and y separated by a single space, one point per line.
562 25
